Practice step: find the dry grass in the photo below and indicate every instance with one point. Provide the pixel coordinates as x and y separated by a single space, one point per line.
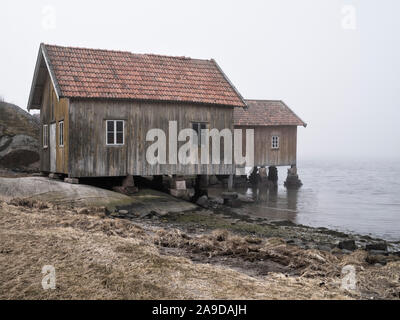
307 263
101 258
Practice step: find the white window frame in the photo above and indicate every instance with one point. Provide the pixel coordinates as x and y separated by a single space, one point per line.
61 133
273 144
115 133
45 136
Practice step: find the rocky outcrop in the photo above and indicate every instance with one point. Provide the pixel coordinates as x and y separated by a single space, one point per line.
19 134
60 193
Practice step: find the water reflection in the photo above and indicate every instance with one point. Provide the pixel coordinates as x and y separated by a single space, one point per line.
344 196
274 205
269 203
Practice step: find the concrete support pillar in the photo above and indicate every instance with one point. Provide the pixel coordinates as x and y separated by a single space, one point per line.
199 190
273 175
204 181
128 181
178 187
292 180
128 186
157 182
178 182
254 178
230 182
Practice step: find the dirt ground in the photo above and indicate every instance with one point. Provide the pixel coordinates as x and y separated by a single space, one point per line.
102 257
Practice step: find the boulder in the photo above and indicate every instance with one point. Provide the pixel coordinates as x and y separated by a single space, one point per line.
19 139
347 245
203 201
229 195
382 246
244 198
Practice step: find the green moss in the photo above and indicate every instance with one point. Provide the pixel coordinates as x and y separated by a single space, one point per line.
215 222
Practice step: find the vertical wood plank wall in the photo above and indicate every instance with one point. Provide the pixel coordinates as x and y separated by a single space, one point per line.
90 156
48 115
264 155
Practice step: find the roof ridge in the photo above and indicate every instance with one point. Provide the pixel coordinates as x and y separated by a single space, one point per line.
125 51
265 100
258 114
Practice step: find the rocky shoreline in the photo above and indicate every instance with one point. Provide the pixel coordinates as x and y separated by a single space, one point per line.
214 235
225 217
180 228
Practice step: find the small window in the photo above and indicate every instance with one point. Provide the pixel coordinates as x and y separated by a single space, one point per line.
198 127
61 133
115 132
275 142
45 136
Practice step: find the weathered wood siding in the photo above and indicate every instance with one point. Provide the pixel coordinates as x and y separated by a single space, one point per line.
90 156
264 155
53 111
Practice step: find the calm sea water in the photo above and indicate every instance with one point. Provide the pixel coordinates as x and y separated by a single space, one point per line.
355 196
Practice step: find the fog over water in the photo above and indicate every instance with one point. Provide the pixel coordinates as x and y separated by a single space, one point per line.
356 196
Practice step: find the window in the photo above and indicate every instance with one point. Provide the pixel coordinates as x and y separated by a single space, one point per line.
198 127
115 132
45 136
275 142
61 133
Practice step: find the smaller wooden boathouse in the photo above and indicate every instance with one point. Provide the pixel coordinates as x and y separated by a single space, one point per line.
275 135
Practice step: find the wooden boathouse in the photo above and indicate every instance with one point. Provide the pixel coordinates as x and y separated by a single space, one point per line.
97 107
275 134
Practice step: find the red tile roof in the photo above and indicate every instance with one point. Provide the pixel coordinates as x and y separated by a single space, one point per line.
266 113
92 73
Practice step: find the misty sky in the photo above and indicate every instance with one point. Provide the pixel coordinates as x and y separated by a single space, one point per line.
340 76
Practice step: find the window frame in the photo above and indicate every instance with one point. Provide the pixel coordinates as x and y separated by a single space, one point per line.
277 142
45 136
200 141
115 132
61 134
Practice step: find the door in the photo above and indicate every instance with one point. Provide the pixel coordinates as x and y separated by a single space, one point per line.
53 147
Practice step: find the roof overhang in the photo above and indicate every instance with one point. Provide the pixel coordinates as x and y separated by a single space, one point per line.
245 106
303 123
42 68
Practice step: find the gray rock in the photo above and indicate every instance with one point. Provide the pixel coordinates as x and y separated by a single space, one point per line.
378 252
374 259
229 195
216 200
159 212
324 248
146 215
244 198
123 211
19 143
344 251
203 201
377 246
347 245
